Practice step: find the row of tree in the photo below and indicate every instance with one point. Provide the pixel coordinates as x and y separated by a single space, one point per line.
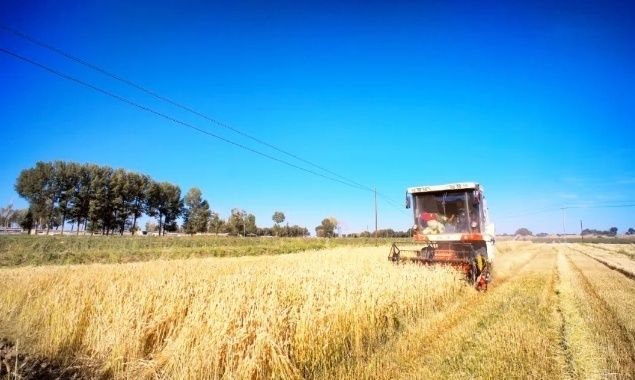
106 200
385 233
610 232
99 198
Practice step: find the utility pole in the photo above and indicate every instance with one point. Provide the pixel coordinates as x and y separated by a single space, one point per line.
581 230
564 232
375 191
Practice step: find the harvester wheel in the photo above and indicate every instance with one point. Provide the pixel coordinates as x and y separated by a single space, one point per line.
481 271
481 282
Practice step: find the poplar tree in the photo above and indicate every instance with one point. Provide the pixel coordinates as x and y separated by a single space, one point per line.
197 213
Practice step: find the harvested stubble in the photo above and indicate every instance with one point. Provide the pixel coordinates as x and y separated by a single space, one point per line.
286 316
508 332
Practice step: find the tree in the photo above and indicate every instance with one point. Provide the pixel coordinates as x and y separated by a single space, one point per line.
631 231
65 177
101 213
326 228
25 220
296 230
121 199
236 222
99 197
36 186
173 204
523 232
216 224
7 216
196 213
164 202
278 217
250 224
138 185
612 231
83 193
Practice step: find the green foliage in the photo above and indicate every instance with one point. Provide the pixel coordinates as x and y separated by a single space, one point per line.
25 250
105 201
239 221
278 217
250 225
100 198
611 232
164 202
385 233
216 224
523 232
25 219
36 186
197 213
326 228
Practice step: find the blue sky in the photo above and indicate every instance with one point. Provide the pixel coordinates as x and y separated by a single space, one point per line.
535 102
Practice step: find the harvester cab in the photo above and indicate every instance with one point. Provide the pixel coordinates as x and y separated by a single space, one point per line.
451 227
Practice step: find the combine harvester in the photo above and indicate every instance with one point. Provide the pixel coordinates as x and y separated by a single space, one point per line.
452 227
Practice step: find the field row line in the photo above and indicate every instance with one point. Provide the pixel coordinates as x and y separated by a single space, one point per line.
565 344
623 271
444 321
605 309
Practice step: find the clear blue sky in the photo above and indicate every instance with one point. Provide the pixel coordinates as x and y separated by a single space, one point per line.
535 102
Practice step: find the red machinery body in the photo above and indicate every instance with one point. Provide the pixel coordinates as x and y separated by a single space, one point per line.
451 228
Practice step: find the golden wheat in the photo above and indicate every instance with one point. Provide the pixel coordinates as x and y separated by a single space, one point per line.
551 312
285 316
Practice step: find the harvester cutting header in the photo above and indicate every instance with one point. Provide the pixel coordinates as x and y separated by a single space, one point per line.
452 227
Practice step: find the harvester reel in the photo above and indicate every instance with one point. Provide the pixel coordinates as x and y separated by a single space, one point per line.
470 260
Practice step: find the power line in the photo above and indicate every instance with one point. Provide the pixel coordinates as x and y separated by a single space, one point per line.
167 117
177 121
171 101
168 100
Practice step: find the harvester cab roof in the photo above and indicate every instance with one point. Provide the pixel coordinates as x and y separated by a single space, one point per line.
452 227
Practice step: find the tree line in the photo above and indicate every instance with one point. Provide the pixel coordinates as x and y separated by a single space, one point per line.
610 232
101 199
383 233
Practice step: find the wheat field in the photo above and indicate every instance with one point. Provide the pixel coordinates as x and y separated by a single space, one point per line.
553 311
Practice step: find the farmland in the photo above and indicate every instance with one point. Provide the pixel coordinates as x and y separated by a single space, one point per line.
553 311
43 250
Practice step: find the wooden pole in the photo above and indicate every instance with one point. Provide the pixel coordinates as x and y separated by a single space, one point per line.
375 190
